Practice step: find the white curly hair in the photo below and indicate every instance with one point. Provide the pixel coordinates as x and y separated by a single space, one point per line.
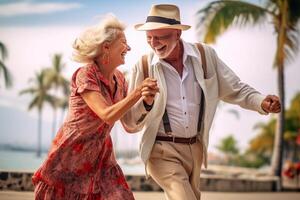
87 45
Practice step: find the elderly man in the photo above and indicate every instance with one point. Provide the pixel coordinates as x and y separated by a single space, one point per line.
175 123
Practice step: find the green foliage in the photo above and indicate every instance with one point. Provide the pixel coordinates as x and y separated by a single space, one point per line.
43 82
284 15
251 160
261 147
228 145
3 51
263 143
293 114
218 16
59 86
39 91
3 68
40 95
56 81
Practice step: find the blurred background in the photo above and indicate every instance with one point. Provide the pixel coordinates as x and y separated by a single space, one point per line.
35 69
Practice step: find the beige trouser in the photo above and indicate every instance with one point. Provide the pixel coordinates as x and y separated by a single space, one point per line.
176 168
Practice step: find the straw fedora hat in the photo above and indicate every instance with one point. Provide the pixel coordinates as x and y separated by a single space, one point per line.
162 16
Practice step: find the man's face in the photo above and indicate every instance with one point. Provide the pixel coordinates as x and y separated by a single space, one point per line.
163 41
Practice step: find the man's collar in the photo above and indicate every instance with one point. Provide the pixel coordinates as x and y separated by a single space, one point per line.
155 59
188 50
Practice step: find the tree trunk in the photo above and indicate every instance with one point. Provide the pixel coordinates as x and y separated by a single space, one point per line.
278 143
39 139
280 58
54 122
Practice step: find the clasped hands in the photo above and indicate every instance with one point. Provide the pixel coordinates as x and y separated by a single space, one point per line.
149 88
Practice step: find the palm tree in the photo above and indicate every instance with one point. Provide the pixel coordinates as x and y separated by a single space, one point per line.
40 96
56 80
64 101
263 143
6 73
218 16
64 104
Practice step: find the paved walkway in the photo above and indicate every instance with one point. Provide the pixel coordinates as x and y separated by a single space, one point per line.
10 195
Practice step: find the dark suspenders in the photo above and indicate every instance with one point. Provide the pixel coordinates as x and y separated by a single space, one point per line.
166 121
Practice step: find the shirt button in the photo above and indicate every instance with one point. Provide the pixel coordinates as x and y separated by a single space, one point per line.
185 113
186 127
183 97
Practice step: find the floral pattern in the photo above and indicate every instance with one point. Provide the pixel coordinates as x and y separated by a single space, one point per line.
81 163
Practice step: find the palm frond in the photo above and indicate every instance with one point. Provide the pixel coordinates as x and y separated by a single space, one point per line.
39 90
66 87
291 47
28 90
57 64
63 102
49 77
234 112
218 16
272 6
52 100
34 103
3 51
7 75
259 125
288 42
54 73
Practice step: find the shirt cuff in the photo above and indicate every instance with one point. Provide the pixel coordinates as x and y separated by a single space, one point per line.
148 107
259 101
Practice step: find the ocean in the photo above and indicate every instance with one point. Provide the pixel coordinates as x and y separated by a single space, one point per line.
28 161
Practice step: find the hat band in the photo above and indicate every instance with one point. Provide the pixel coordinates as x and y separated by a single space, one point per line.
162 20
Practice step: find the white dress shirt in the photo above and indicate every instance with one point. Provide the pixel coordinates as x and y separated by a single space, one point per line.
221 84
183 98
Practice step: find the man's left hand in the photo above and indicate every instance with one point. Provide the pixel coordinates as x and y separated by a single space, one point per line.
271 104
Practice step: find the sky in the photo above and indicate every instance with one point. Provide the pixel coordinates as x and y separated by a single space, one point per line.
33 31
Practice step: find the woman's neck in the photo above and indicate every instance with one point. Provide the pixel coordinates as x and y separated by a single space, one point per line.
106 70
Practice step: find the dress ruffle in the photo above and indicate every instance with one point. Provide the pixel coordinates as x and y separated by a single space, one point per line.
46 192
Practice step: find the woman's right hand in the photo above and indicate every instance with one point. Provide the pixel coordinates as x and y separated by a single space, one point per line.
148 90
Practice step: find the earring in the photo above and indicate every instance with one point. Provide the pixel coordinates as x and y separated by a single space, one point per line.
105 59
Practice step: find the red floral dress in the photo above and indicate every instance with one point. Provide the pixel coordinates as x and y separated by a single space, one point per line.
81 162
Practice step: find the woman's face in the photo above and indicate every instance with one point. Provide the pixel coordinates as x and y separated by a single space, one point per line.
118 50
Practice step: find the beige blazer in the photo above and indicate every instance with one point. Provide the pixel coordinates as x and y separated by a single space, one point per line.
221 84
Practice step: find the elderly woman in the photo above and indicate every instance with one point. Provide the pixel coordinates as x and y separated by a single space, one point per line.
81 162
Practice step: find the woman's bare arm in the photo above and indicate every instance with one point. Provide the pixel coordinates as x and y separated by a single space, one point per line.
112 113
